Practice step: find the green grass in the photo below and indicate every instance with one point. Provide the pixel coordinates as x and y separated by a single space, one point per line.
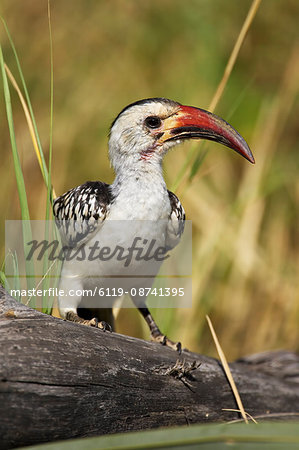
26 227
278 436
30 281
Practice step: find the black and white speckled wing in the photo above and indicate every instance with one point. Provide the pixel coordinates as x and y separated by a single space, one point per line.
80 212
176 222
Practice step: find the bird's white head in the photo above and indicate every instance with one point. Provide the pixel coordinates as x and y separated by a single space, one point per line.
145 130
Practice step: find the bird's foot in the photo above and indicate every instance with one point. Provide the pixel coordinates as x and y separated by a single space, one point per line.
94 322
104 326
90 323
162 339
156 334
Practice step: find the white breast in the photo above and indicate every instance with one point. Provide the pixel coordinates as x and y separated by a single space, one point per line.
141 198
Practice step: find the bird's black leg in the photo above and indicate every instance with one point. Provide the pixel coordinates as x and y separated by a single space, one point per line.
156 334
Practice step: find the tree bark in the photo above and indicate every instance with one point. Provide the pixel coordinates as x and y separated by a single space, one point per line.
61 380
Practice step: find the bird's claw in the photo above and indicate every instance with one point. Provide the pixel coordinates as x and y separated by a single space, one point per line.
162 339
94 322
104 326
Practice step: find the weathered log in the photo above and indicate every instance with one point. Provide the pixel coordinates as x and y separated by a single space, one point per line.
60 380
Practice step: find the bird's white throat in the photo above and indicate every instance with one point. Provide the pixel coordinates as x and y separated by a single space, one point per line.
140 195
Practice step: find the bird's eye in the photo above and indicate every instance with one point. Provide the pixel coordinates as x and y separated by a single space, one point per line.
153 122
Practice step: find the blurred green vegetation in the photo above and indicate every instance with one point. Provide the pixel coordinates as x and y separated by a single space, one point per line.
278 436
245 218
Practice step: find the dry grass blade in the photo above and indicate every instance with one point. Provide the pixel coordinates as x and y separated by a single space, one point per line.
28 119
219 91
234 54
278 416
237 410
51 113
227 371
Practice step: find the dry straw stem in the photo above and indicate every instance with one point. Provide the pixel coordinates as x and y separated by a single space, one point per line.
28 119
227 371
234 54
237 410
277 416
219 91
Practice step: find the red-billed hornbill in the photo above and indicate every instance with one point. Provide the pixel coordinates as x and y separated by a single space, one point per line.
140 137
